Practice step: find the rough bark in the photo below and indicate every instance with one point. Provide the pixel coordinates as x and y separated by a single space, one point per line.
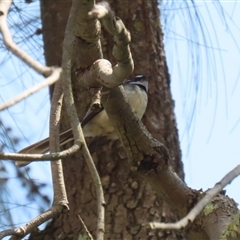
130 202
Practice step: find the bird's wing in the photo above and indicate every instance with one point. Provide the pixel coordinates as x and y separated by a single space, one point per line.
65 137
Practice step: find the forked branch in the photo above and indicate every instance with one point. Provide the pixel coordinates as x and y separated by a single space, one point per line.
71 109
102 70
209 195
60 199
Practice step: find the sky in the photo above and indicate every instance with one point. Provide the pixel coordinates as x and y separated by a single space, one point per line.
205 87
210 137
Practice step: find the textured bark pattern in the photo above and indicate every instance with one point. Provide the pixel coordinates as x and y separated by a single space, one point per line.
54 15
130 202
222 213
54 19
142 19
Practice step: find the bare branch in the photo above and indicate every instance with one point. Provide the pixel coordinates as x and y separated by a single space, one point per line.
72 113
95 98
100 195
38 157
60 197
29 227
209 195
59 190
85 228
12 46
55 75
102 70
79 139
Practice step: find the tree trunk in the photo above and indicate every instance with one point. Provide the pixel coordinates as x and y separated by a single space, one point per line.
130 202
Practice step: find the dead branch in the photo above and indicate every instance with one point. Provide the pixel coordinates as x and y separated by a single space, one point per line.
85 228
38 157
102 69
72 113
59 190
30 226
209 195
60 198
96 94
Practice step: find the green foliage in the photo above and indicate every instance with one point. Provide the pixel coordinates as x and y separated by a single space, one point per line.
233 229
84 237
209 208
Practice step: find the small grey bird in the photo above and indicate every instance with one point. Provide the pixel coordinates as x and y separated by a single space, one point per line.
97 124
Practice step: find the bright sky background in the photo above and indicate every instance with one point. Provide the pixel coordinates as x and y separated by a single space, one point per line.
210 142
211 145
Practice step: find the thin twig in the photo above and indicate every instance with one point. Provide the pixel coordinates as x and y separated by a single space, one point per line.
30 226
49 81
99 190
209 195
39 157
60 197
85 228
72 113
59 189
